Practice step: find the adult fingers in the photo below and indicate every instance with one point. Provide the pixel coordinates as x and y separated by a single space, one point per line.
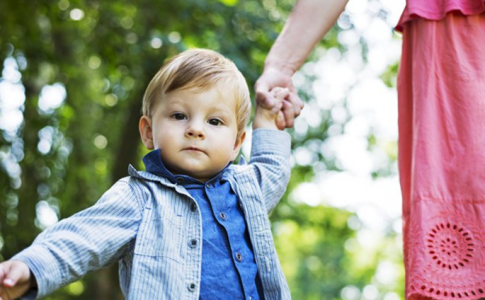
280 121
288 113
262 94
297 104
264 98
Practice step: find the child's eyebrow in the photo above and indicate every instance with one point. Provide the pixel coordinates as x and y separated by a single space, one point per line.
222 108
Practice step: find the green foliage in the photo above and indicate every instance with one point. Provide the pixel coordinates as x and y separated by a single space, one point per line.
389 77
316 262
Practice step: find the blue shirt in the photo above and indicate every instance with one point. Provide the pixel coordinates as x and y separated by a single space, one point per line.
229 270
146 224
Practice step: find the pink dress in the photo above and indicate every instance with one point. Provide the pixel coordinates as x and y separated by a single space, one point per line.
441 91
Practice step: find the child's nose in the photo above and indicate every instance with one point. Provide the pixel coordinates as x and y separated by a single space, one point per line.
194 132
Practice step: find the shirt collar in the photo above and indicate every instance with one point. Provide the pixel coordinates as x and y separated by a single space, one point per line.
154 164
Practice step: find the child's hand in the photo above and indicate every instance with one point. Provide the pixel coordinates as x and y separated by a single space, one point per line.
15 279
268 117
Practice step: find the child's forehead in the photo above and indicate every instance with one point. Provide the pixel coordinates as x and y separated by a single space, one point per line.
211 94
208 98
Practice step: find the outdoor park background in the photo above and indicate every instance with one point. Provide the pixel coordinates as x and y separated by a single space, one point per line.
73 74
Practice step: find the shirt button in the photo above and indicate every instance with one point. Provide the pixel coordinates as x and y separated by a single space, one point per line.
193 207
208 186
239 257
223 216
192 287
193 243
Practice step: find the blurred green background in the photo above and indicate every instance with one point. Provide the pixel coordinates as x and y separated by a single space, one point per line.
73 76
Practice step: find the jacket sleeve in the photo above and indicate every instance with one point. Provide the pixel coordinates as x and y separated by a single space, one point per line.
89 240
270 160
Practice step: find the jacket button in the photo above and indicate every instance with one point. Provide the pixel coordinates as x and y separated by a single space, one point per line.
239 257
193 207
223 216
193 243
192 287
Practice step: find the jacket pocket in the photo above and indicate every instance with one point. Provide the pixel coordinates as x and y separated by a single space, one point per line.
160 234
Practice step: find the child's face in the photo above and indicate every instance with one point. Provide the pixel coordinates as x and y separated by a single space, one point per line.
196 131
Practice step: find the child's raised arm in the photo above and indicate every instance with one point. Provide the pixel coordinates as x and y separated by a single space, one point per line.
15 279
270 150
266 117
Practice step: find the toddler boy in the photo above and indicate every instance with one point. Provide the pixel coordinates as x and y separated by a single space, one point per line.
193 225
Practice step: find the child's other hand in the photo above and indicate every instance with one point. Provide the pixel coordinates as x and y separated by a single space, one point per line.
15 279
268 117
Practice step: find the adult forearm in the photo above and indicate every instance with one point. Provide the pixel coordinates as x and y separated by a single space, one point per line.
309 21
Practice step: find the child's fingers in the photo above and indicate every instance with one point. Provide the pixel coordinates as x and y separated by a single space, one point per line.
3 289
9 282
280 93
3 272
4 294
15 279
15 271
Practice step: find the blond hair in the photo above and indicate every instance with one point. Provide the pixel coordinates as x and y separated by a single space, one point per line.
199 69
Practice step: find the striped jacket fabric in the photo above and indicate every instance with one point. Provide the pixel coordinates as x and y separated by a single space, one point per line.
147 224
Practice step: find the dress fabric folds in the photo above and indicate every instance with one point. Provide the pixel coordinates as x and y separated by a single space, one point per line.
441 92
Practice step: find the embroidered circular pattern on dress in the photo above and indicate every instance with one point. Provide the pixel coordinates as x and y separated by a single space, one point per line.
450 246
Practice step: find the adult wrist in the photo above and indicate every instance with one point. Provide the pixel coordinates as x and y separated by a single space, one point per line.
280 66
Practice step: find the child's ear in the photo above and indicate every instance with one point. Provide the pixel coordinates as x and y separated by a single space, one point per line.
238 144
146 132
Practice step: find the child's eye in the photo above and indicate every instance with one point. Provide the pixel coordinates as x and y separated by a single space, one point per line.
215 122
178 116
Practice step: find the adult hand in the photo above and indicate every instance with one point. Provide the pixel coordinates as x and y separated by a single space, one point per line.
15 279
292 104
268 118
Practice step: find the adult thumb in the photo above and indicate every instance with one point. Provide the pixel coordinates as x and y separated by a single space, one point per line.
263 96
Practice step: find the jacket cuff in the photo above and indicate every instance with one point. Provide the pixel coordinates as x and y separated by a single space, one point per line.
271 141
43 267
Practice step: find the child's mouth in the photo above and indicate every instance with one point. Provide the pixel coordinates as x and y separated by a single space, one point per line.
193 149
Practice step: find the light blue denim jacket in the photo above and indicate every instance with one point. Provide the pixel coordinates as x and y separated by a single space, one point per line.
148 225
